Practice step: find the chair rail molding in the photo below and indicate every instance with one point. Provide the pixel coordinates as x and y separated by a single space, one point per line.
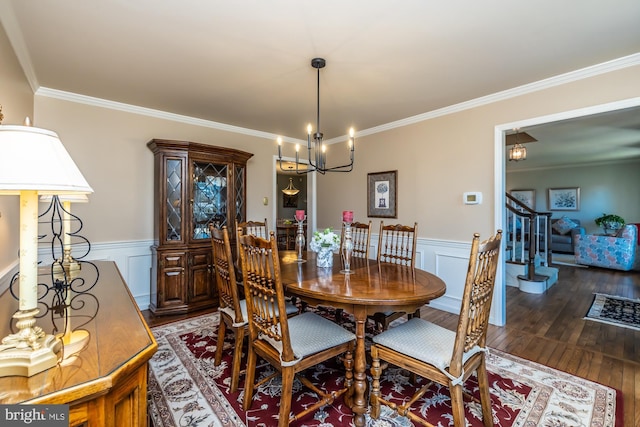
447 259
133 259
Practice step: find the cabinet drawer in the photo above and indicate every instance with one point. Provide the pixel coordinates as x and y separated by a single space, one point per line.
173 261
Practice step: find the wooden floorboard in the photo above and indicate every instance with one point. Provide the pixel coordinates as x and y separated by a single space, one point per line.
550 329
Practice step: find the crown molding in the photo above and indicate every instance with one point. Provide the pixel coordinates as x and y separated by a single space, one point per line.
572 76
591 71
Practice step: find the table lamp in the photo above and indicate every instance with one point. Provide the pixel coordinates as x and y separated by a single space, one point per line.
66 267
61 206
32 161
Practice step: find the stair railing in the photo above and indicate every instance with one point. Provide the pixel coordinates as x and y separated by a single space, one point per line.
528 235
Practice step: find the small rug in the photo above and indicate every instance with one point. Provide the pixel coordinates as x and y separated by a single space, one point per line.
614 310
185 389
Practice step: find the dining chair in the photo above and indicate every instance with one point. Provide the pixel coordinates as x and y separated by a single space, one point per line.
232 308
260 229
290 345
360 238
396 245
441 355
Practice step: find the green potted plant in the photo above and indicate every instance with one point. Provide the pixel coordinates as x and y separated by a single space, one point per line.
611 223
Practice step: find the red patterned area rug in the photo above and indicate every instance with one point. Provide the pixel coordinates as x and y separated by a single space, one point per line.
185 389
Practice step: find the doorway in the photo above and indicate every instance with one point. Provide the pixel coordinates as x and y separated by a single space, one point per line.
500 161
284 207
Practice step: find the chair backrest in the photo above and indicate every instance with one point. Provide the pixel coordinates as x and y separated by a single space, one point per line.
476 299
397 244
360 237
264 292
225 271
256 228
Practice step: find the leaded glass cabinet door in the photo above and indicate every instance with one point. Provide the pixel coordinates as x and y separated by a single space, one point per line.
209 204
174 193
239 193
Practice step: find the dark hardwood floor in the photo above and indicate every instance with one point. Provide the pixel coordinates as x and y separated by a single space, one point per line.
550 329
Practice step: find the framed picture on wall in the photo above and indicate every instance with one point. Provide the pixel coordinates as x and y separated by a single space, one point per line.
289 201
526 197
563 199
382 194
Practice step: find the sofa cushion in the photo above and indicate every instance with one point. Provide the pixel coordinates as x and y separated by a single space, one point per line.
564 225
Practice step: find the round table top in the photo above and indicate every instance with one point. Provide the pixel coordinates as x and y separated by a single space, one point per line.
370 284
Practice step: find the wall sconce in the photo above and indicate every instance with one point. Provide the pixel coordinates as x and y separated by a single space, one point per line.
33 162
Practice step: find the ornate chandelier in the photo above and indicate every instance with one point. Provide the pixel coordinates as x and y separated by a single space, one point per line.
317 152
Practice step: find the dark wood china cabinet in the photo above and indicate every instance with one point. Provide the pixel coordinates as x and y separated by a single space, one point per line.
196 185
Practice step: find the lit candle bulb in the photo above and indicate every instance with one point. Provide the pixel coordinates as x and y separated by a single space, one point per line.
309 129
279 146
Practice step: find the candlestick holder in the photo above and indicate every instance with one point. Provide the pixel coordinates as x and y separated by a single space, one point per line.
347 249
300 241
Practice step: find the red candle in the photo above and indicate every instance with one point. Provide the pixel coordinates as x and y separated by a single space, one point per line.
300 215
347 216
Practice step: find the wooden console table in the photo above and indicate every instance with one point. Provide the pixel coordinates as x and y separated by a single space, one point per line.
105 383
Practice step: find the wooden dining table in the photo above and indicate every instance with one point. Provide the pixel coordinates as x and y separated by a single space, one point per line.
369 288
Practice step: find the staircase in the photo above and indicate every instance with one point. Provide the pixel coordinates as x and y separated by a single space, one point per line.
528 255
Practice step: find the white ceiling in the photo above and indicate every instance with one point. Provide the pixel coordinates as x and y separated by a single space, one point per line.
246 63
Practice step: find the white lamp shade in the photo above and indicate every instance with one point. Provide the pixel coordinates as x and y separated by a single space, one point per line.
35 159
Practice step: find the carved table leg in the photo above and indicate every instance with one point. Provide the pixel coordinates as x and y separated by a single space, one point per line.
357 399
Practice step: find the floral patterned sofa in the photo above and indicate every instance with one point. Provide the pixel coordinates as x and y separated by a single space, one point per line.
618 252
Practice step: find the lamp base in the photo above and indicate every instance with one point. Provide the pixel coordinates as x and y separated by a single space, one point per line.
68 266
30 350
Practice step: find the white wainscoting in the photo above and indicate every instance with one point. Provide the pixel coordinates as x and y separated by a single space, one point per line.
446 259
132 258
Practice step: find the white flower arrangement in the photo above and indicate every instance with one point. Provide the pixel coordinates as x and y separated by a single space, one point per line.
325 239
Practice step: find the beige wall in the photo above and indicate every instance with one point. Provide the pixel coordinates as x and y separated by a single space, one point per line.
16 98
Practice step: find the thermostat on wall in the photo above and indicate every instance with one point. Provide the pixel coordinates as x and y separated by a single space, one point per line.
472 198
